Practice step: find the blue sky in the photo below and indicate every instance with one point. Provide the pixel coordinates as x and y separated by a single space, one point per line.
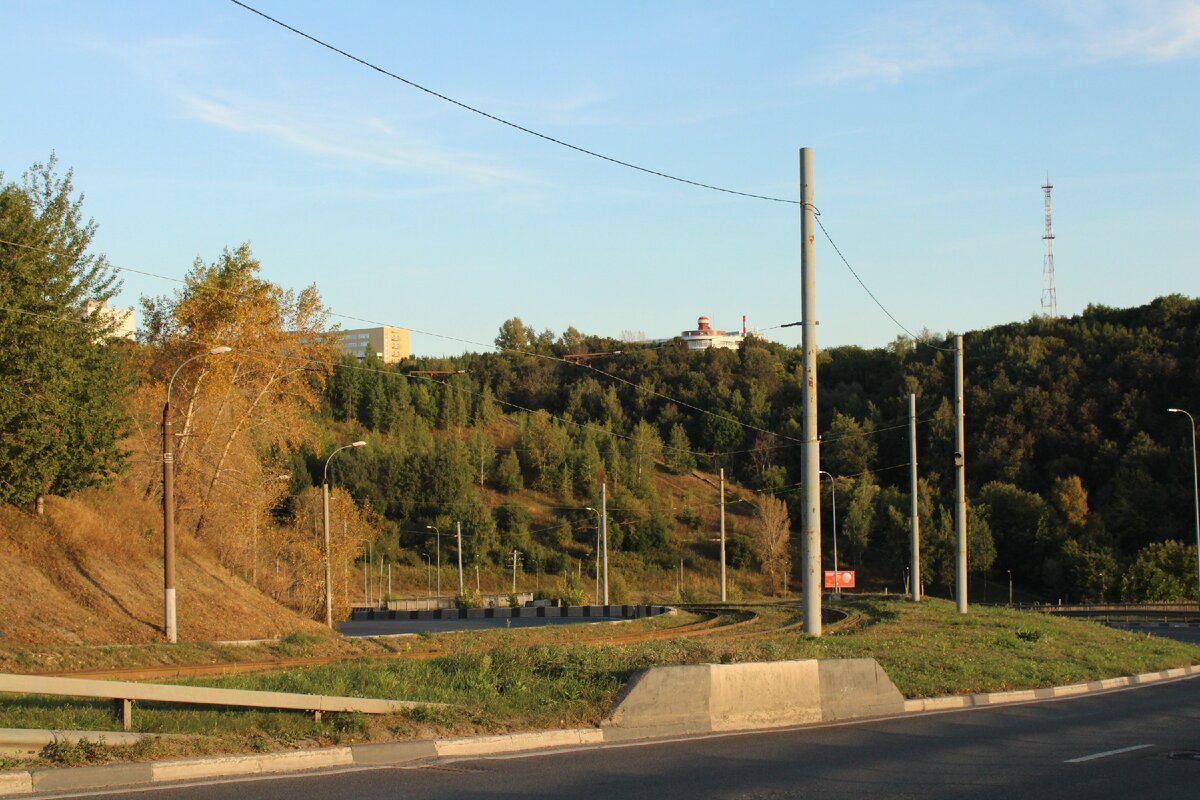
195 125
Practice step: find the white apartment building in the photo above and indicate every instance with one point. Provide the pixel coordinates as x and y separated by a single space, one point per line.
123 320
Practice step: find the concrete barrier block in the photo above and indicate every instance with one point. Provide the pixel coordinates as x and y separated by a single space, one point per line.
856 687
766 695
15 783
669 701
394 752
61 780
663 701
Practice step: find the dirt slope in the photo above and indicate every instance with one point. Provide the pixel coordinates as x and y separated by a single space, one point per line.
90 571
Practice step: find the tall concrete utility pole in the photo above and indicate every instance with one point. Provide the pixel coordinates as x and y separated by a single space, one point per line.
604 535
810 449
912 483
723 593
960 482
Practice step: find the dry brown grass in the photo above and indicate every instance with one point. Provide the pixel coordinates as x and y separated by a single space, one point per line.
90 571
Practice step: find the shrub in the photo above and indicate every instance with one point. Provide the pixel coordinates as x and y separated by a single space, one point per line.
468 599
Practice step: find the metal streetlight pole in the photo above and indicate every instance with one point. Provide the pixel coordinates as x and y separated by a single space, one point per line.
724 594
596 594
168 458
604 534
325 514
458 531
434 528
1010 589
1195 492
837 581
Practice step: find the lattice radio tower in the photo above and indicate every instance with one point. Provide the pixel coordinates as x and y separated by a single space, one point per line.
1049 298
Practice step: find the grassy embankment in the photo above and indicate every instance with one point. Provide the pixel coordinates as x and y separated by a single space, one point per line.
522 680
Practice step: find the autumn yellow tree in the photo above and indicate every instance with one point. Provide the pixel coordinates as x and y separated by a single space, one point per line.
237 416
293 570
772 542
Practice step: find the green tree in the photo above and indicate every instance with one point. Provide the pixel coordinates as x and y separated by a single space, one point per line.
483 453
514 335
508 474
678 452
644 450
848 448
62 383
858 519
1163 572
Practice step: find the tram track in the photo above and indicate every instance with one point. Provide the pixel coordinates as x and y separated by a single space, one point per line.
710 624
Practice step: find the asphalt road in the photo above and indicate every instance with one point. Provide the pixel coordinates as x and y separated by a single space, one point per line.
394 626
1124 744
1180 633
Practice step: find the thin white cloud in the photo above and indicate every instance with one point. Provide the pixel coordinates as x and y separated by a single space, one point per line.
920 37
1150 30
341 138
944 34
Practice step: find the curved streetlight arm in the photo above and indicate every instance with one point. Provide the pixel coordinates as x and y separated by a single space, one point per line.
334 453
216 351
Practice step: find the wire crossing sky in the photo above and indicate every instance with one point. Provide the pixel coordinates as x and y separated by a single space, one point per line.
193 127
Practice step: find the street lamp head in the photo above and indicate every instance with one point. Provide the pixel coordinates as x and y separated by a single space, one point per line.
588 508
358 444
219 350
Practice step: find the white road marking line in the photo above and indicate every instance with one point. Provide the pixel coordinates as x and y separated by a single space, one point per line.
1081 759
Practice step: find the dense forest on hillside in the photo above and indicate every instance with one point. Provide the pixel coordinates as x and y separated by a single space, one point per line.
1079 479
1074 464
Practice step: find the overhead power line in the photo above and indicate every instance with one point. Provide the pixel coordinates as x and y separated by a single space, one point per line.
592 153
501 120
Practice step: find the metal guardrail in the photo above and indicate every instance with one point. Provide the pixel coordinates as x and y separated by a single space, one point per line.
124 693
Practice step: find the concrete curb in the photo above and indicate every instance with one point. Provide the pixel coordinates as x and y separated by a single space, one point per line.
1027 695
423 751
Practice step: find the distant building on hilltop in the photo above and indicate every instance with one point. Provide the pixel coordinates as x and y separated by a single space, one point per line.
390 345
122 320
705 336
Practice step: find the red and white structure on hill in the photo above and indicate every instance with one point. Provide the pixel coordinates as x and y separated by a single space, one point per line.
706 336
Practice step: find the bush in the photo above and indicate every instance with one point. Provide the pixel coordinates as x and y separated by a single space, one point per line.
572 593
468 599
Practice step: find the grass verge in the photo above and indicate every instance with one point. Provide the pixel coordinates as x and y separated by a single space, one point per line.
512 680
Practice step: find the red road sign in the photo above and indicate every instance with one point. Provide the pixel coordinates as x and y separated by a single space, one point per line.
843 578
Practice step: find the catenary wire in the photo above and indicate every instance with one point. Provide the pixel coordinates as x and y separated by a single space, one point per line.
585 151
501 120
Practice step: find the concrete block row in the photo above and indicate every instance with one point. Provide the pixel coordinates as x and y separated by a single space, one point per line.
608 611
